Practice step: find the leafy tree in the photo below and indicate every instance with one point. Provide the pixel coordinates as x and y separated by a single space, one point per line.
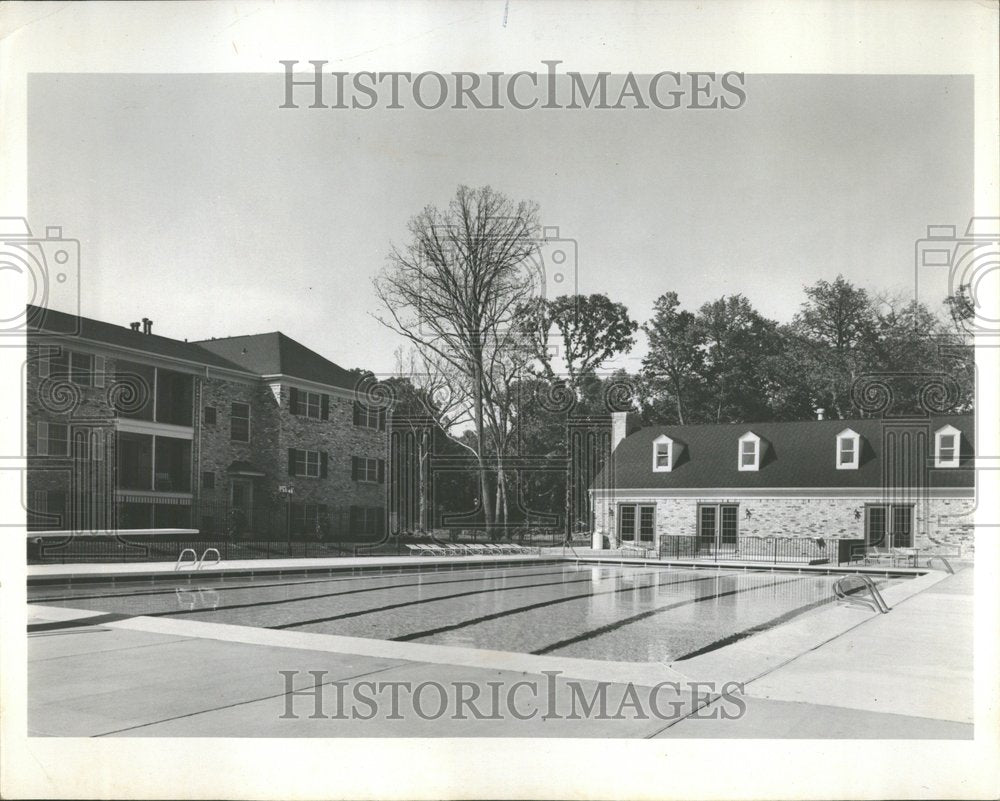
673 366
591 330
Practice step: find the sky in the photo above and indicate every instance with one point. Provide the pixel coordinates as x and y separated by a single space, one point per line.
200 204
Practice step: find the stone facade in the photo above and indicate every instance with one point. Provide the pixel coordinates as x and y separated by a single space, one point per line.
941 525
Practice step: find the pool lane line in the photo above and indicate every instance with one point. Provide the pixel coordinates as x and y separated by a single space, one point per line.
280 601
172 590
757 628
419 601
542 604
78 622
589 635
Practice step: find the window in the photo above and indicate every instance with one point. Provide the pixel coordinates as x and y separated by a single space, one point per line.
663 454
209 416
135 463
174 397
947 447
48 511
136 385
369 416
848 450
367 520
208 480
365 469
52 439
173 464
636 522
309 404
718 527
80 368
239 422
311 464
749 456
308 519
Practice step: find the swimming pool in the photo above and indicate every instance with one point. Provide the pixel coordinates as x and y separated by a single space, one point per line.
605 612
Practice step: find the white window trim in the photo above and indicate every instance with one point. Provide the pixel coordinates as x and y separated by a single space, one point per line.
749 437
855 437
946 431
663 439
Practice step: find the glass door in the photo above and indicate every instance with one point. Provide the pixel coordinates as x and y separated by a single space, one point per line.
718 527
707 527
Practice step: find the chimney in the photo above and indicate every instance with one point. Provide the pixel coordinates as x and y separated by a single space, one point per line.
147 325
819 413
622 424
134 326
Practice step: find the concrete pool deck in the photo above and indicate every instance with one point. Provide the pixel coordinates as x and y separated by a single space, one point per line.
839 672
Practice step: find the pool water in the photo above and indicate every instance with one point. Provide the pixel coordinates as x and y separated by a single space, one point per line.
616 613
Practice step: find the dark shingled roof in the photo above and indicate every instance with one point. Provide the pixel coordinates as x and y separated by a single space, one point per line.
797 455
275 353
44 322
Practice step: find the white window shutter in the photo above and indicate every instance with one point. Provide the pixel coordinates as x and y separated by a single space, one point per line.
42 439
98 371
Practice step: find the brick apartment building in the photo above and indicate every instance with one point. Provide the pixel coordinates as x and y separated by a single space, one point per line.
251 436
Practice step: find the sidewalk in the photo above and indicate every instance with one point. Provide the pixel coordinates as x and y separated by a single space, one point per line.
907 674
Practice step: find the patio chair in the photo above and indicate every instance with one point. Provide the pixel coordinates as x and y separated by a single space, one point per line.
907 557
876 556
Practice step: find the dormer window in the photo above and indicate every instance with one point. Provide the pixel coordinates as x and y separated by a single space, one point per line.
663 454
947 447
749 454
848 450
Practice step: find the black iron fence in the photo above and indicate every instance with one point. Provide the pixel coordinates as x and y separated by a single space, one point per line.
803 550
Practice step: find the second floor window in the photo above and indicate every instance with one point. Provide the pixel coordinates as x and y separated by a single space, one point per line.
239 422
79 368
365 469
308 404
748 454
369 416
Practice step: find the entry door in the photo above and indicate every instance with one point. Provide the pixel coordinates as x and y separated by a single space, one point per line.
717 527
241 499
889 525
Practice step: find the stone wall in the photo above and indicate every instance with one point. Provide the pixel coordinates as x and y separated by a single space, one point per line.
943 525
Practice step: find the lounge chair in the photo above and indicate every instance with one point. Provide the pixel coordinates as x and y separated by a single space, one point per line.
433 550
876 556
415 550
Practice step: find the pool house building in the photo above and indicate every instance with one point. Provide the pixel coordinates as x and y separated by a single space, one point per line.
749 489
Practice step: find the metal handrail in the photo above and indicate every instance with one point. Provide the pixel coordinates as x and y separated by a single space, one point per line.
201 562
945 562
876 603
180 558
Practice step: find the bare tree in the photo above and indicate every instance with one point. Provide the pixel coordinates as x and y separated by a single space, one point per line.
454 291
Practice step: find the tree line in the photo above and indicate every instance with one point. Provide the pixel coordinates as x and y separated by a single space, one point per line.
500 369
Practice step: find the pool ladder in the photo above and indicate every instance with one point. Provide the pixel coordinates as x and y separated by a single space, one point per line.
875 602
195 562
